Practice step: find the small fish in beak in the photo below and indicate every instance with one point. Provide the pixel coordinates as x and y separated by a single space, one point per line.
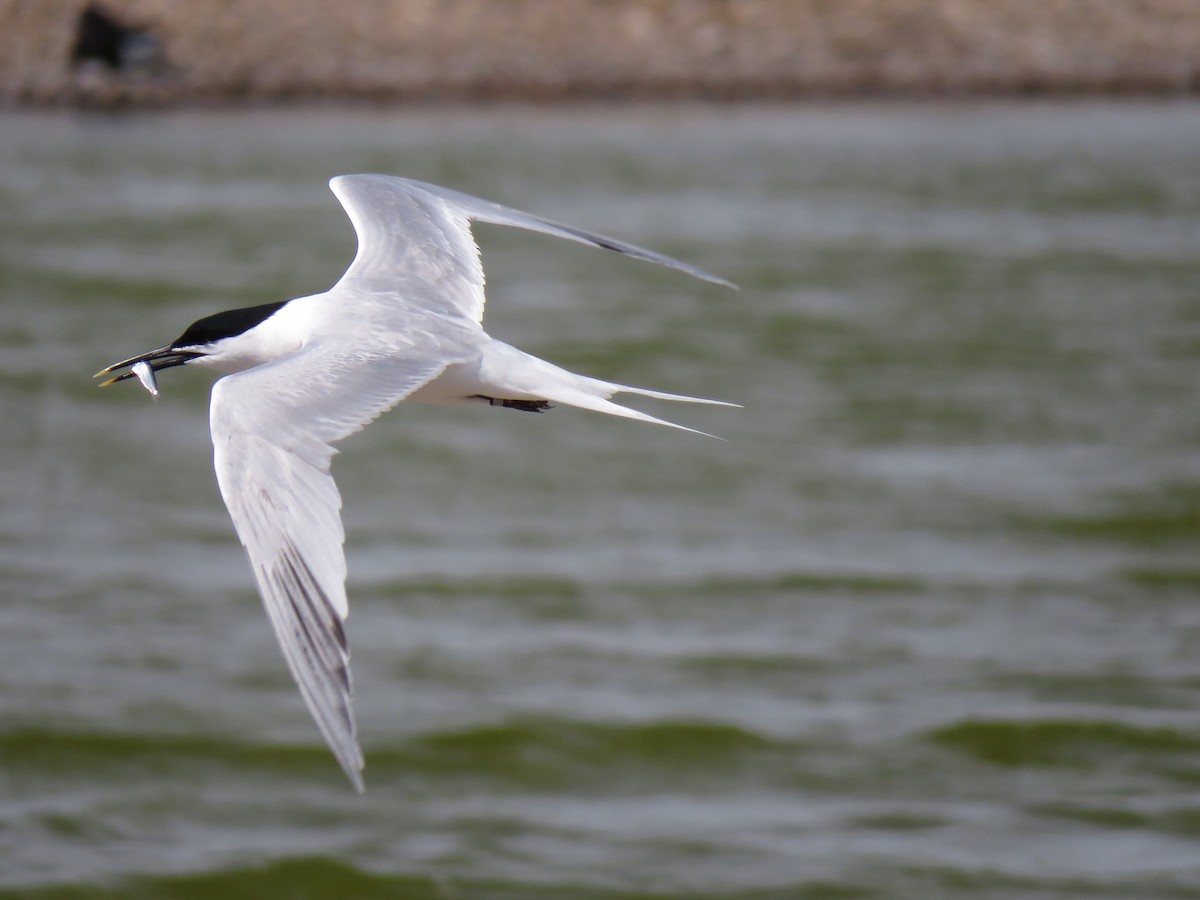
145 374
145 365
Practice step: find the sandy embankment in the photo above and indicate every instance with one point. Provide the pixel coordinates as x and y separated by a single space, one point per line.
234 50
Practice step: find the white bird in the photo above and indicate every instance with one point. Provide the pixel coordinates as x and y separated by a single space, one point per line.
403 323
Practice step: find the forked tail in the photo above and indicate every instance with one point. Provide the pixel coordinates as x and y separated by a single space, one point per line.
594 394
507 372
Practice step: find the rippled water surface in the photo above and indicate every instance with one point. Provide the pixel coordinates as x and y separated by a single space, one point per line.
925 624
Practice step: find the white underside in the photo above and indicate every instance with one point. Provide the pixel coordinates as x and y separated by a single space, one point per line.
403 323
503 372
458 383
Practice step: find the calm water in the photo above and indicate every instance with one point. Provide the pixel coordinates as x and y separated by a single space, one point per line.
925 624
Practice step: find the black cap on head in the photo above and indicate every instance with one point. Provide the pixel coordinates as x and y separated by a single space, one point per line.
226 324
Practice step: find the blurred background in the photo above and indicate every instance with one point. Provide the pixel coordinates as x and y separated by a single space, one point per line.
147 51
926 621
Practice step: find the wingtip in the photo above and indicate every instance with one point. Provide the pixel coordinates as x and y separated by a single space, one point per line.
717 279
354 774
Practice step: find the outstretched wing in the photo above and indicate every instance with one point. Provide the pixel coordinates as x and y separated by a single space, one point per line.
272 430
416 239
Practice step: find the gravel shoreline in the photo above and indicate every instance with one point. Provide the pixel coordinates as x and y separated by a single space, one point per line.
235 51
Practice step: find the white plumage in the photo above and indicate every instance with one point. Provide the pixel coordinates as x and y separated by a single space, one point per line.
403 323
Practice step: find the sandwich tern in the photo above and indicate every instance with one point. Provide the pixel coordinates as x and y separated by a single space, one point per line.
403 323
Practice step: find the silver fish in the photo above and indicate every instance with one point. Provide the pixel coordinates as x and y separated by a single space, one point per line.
145 375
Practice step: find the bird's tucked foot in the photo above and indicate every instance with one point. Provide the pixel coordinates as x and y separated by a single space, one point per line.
536 406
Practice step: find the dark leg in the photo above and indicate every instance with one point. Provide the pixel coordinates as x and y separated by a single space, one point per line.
536 406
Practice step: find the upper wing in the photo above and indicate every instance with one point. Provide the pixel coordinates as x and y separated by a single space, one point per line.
416 238
272 428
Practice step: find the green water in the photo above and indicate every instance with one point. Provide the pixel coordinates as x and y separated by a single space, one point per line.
925 623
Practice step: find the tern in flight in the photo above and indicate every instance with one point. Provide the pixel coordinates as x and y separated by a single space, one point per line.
403 323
